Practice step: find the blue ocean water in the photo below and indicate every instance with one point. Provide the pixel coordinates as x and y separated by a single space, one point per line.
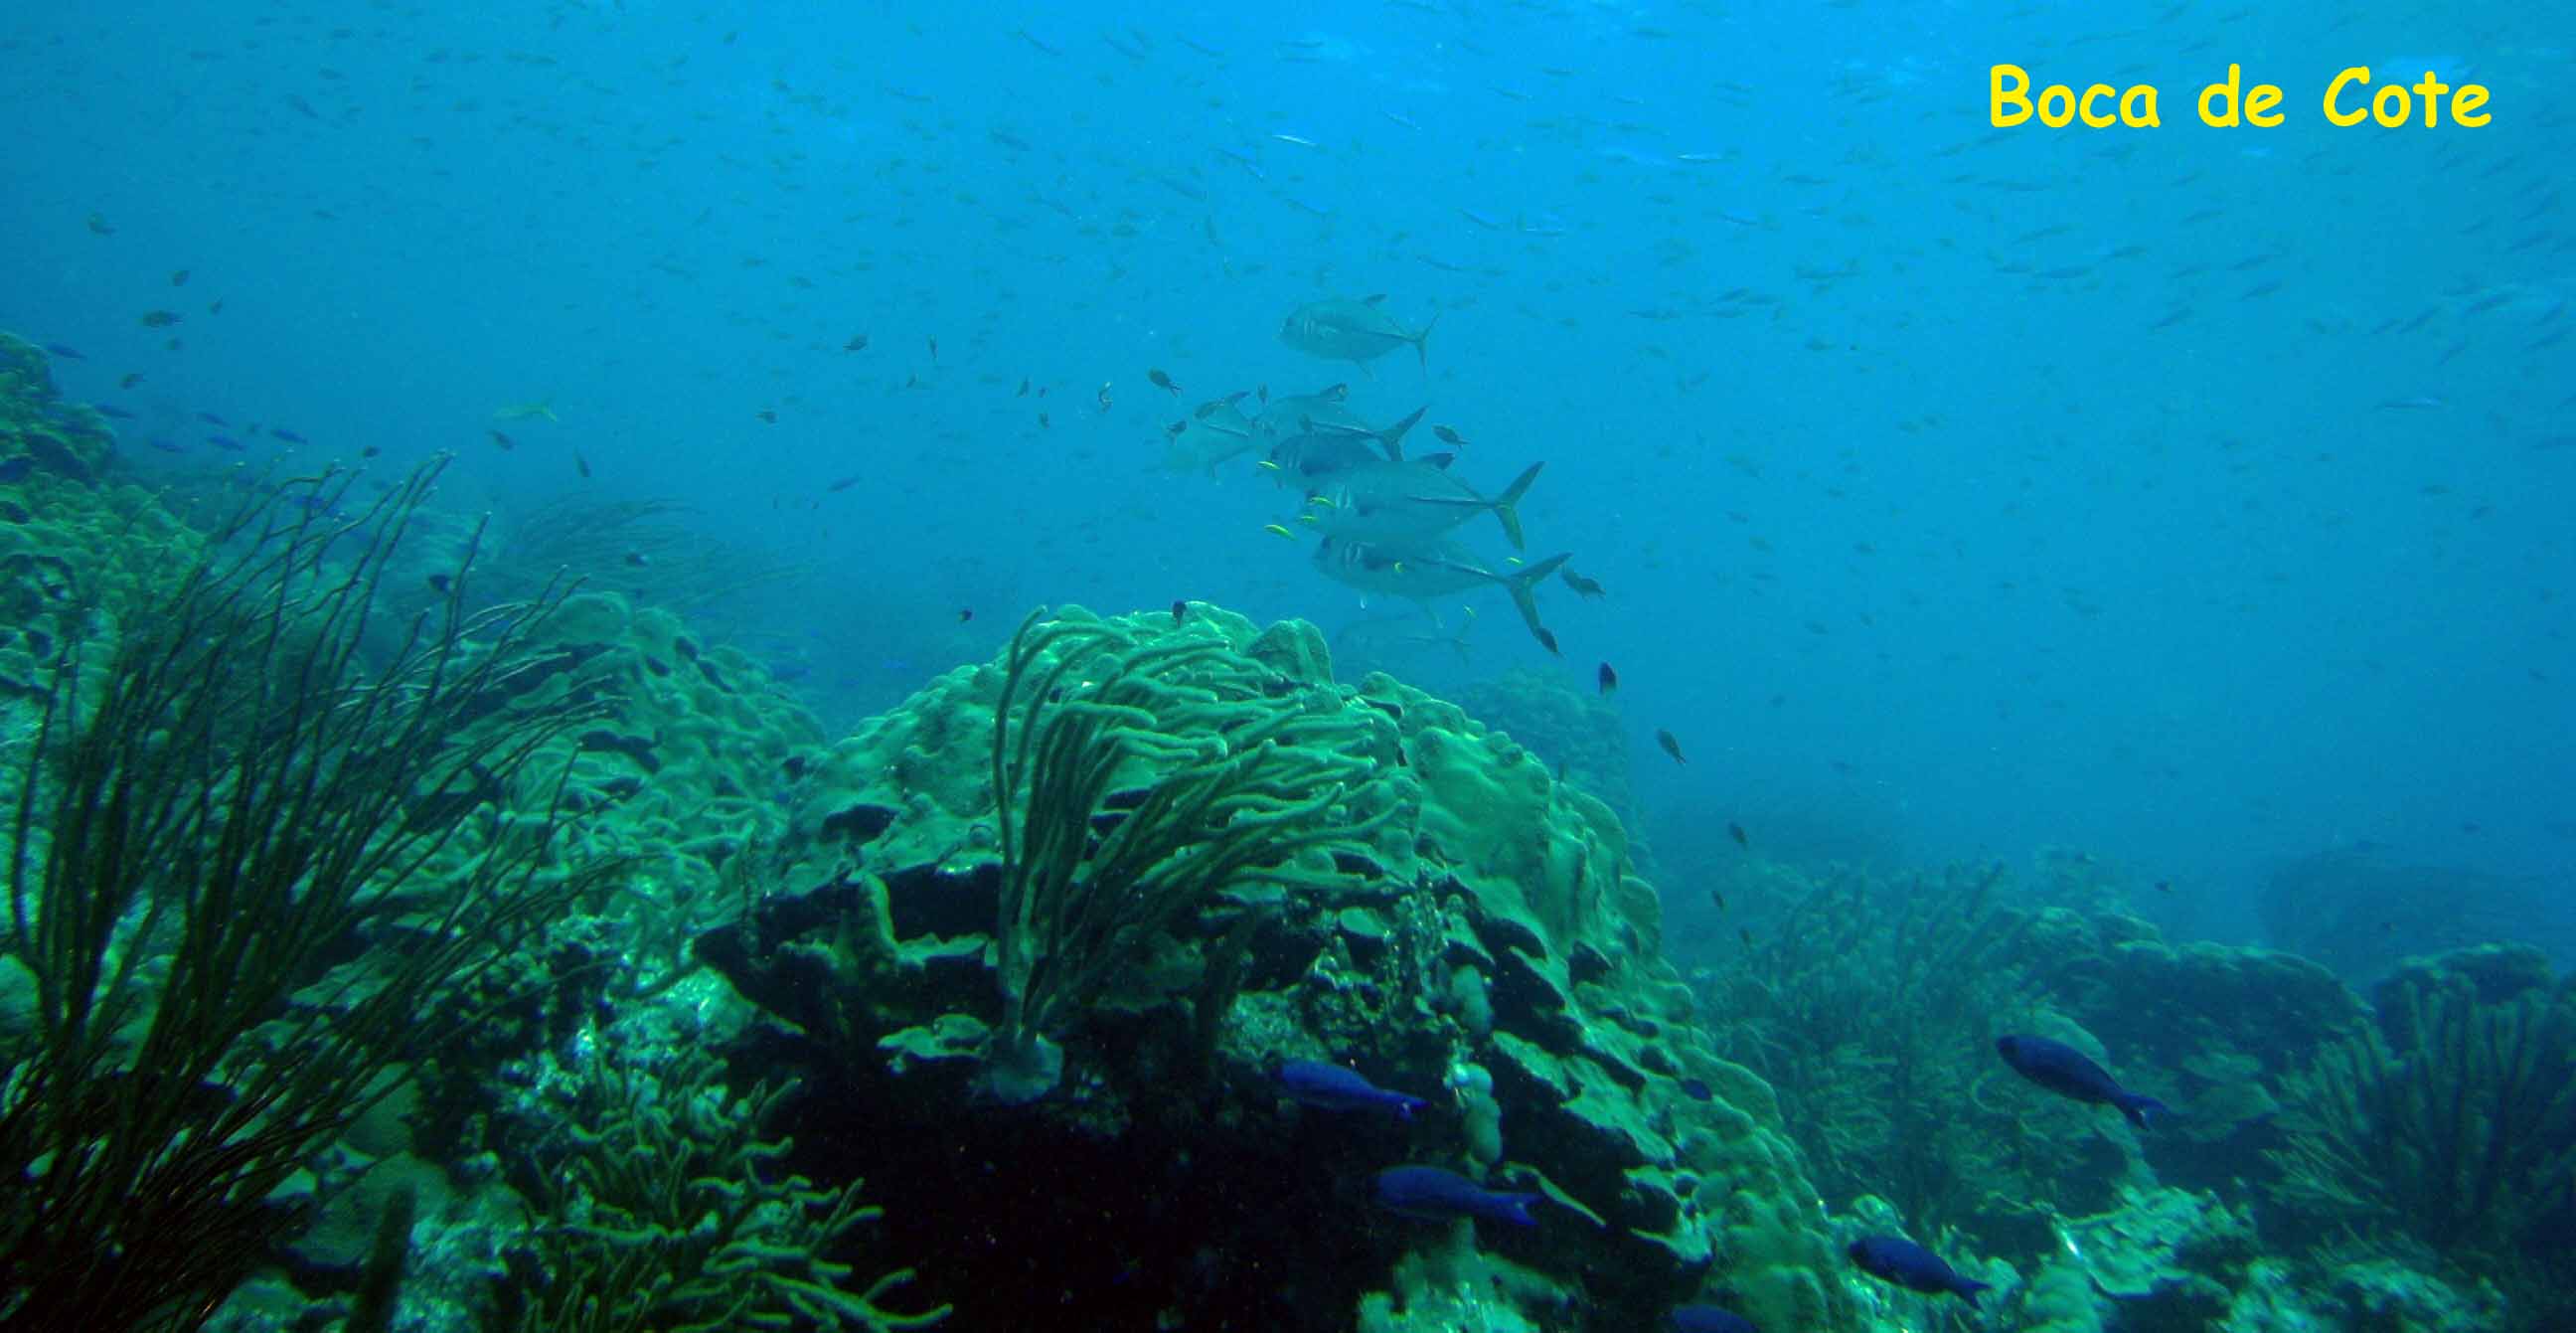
2197 498
1908 541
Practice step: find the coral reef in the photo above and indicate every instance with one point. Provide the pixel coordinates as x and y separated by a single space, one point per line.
57 437
1864 1003
2451 1122
1026 953
2369 1293
640 550
2211 1029
1871 1009
1472 926
661 1206
1579 734
204 833
80 551
1236 791
2160 1258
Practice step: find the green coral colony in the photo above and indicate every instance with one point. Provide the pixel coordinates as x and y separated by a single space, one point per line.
384 953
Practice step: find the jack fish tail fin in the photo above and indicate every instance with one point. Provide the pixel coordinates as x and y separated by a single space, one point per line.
1506 509
1393 436
1523 587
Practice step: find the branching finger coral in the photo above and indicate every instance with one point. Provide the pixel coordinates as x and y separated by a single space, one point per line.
2462 1135
670 1214
1869 1010
1239 787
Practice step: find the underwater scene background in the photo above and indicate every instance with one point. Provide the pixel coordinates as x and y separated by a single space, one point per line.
1407 666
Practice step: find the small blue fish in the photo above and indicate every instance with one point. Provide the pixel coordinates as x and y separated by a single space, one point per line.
289 436
226 443
16 469
166 445
1330 1087
2064 1070
112 411
212 420
1434 1194
1909 1265
66 353
1710 1319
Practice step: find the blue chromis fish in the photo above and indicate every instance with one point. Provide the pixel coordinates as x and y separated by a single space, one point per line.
1391 501
1709 1319
1330 1087
1908 1265
2066 1071
1340 329
1436 1194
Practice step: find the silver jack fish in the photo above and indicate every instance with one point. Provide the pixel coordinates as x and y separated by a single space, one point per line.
1355 331
1420 571
1315 435
1397 503
1212 433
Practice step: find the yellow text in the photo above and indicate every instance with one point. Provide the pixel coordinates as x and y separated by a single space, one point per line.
2058 105
2238 105
2392 105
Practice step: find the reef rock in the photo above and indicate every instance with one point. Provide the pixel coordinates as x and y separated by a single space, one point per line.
1473 933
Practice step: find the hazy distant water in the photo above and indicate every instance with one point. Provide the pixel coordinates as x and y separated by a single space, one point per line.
2197 497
